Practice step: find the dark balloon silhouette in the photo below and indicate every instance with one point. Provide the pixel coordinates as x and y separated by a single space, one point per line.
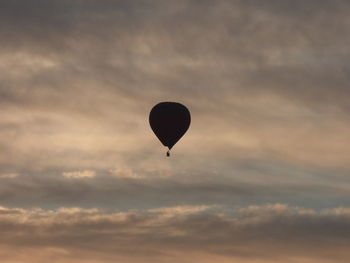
169 121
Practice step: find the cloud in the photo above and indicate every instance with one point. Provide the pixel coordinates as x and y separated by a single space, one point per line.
260 233
143 186
77 91
267 86
125 173
79 174
9 175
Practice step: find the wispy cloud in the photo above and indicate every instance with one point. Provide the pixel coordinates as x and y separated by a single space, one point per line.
267 233
79 174
9 175
125 173
267 85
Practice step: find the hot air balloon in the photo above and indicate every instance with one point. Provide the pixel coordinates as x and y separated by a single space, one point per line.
169 121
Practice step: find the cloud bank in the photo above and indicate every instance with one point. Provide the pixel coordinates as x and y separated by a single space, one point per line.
267 233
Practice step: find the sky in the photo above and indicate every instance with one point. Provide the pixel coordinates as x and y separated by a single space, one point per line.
261 176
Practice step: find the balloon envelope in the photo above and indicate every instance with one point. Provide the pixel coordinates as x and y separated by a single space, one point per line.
169 121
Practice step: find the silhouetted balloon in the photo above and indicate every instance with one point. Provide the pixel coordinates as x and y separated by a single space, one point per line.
169 121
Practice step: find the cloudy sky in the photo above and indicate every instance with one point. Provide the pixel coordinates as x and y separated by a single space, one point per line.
261 176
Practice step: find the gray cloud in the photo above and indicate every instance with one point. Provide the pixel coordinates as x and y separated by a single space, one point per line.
80 78
269 232
141 188
267 86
